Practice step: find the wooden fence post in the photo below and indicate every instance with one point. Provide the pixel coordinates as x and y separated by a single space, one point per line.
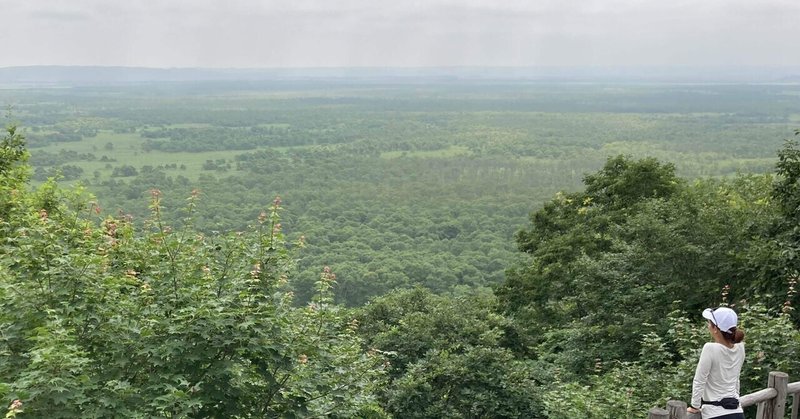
776 408
677 409
657 413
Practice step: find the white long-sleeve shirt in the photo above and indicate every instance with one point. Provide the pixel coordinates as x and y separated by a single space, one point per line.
716 377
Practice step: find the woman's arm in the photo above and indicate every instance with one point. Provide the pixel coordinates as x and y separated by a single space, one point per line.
701 376
738 391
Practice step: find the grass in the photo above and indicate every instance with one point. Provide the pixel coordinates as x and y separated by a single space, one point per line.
452 151
127 150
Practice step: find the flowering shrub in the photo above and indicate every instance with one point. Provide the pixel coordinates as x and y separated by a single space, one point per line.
101 319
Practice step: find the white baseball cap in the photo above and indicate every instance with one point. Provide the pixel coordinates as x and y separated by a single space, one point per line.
722 317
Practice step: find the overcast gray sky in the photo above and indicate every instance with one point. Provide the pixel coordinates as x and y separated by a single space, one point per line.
333 33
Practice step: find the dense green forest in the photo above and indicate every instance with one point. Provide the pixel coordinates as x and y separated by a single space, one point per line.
391 185
434 250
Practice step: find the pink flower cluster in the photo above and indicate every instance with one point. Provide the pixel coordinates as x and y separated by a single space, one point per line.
726 290
790 294
327 275
14 408
256 271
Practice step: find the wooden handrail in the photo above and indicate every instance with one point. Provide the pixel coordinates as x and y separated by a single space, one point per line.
771 401
793 387
794 390
758 397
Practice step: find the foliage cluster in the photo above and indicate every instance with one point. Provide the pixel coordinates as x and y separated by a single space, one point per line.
449 359
101 319
608 261
606 266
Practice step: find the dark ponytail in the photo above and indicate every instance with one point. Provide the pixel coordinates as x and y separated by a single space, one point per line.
734 335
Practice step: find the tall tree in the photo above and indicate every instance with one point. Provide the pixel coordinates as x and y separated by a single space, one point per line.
606 262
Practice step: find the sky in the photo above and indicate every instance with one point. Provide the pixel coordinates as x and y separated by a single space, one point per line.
399 33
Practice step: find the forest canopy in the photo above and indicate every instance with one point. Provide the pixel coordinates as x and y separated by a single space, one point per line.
396 275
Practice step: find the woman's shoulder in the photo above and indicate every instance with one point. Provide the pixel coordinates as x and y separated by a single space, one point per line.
709 349
715 346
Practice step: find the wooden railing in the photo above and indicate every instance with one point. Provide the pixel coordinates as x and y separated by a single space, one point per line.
770 402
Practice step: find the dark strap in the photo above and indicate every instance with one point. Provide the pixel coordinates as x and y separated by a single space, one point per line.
727 403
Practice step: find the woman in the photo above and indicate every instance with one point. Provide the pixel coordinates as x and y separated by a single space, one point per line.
715 389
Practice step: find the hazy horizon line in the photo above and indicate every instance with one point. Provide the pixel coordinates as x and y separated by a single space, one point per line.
102 74
631 66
